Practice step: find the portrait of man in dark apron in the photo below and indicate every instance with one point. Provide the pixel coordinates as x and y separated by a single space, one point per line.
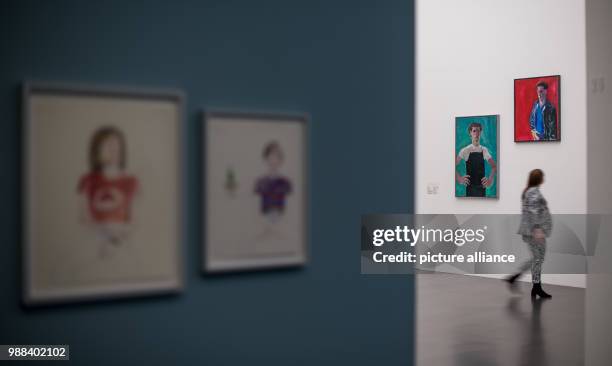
475 155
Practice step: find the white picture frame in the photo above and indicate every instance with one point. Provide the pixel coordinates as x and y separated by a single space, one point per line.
255 213
127 238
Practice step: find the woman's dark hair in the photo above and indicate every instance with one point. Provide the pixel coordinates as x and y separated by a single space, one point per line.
536 177
95 165
271 147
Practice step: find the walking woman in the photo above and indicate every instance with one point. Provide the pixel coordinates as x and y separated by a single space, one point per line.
536 225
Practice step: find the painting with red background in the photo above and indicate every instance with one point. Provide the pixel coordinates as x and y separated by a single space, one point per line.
525 95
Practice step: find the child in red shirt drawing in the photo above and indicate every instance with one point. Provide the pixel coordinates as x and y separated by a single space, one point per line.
107 191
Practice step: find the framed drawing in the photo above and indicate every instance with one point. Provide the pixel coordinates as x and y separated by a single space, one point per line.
537 109
255 180
476 156
102 203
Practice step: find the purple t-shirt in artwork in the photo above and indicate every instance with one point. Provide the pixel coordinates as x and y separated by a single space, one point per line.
273 191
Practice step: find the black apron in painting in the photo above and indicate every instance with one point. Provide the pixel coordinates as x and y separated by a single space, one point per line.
474 167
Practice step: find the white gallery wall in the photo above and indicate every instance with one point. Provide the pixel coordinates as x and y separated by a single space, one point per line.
468 54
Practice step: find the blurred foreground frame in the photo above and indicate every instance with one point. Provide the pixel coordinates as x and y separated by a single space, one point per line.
102 201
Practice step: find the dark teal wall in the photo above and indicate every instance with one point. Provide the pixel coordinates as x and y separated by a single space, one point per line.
349 63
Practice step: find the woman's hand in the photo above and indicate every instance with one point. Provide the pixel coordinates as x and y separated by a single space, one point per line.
538 235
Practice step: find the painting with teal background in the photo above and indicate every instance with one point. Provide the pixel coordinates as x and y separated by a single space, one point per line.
487 144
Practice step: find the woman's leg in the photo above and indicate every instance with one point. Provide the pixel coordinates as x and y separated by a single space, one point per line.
528 264
538 250
524 267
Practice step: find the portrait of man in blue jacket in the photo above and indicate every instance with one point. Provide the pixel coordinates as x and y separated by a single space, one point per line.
543 117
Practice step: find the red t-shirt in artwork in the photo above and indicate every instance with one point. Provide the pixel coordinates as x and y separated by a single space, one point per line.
109 199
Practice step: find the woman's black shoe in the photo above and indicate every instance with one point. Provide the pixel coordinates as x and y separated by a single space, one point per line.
512 282
537 291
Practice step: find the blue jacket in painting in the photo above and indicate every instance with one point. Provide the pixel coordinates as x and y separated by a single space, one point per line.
543 120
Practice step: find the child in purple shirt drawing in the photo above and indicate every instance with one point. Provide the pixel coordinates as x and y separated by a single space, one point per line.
273 187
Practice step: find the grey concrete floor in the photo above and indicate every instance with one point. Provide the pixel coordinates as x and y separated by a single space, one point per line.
473 321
